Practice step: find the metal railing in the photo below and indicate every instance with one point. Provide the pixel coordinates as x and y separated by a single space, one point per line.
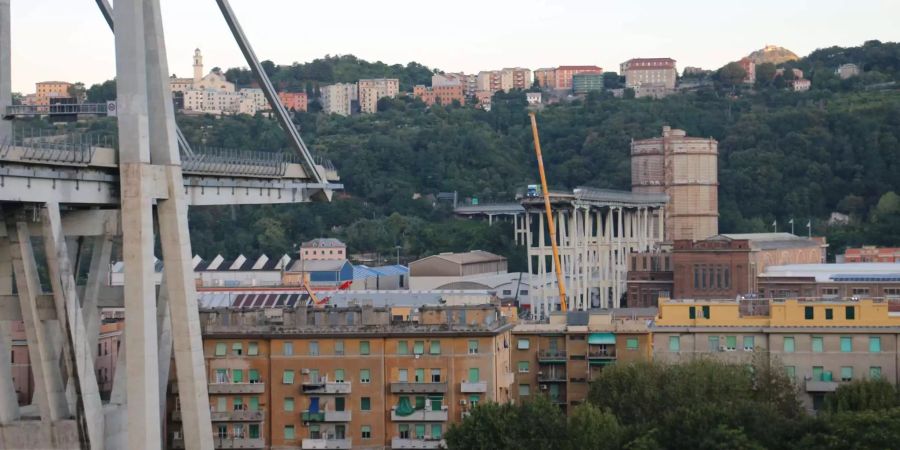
208 160
57 109
54 146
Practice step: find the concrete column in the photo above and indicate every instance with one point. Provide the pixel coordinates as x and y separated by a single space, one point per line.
9 404
78 351
5 67
164 324
49 390
97 276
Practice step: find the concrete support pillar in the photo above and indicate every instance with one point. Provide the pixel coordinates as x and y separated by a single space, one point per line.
78 355
97 277
49 388
9 402
5 67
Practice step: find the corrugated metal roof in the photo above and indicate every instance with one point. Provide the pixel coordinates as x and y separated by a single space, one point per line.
828 272
324 265
475 256
323 243
361 272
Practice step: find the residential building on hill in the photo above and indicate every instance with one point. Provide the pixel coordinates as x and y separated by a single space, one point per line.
546 77
45 91
750 68
338 98
564 76
582 83
347 378
323 249
503 80
372 90
650 77
445 88
296 101
869 253
845 71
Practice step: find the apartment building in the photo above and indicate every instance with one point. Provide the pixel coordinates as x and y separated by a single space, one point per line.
444 90
546 77
649 77
872 254
503 80
565 75
371 90
582 83
820 343
349 378
560 358
338 98
47 90
296 101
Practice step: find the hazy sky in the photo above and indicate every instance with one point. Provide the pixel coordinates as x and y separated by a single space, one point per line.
68 39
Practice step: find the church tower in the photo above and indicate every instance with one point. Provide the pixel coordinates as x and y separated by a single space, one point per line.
198 66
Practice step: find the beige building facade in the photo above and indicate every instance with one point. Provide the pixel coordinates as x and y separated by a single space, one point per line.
338 98
371 90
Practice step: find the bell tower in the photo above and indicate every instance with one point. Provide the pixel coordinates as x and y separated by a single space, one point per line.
198 66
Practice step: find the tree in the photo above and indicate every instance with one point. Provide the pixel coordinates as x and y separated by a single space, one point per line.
268 67
102 93
765 73
732 74
536 424
866 395
591 428
77 91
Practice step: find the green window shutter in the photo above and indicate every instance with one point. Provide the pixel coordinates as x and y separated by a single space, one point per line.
221 404
808 313
254 431
817 373
706 312
436 403
474 375
791 372
874 344
420 402
402 348
221 348
846 344
523 366
713 343
419 347
339 375
420 431
850 312
420 376
364 347
253 375
288 377
674 343
289 432
474 399
365 376
829 314
237 375
237 348
846 373
365 404
631 343
692 312
875 373
731 342
788 344
365 431
289 404
436 431
473 346
254 403
435 348
340 403
749 342
817 344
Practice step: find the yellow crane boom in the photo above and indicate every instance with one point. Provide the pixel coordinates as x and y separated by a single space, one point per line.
551 227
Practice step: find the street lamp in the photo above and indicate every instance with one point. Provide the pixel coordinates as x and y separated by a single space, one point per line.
398 254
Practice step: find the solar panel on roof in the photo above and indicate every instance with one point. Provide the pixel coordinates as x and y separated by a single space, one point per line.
239 300
280 301
270 300
292 300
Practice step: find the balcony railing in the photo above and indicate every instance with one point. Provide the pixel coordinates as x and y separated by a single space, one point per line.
421 415
602 354
326 444
551 377
426 443
552 356
241 415
418 388
237 388
326 387
473 387
238 442
821 386
326 416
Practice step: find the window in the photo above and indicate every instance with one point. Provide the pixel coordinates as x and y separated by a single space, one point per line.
289 404
402 347
287 349
435 348
221 375
436 403
365 376
253 376
221 404
288 377
846 344
254 403
404 430
313 348
829 314
366 432
221 348
254 431
314 375
289 432
365 404
713 343
435 431
435 375
523 344
791 372
817 372
237 375
237 349
674 343
874 344
253 350
238 404
631 343
419 347
315 431
808 313
860 291
420 375
523 366
875 373
340 403
524 390
788 344
706 312
222 431
420 430
749 343
846 373
692 312
849 312
364 347
817 344
731 342
473 346
474 400
474 376
403 375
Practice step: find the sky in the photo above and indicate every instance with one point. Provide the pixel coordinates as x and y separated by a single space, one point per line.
69 40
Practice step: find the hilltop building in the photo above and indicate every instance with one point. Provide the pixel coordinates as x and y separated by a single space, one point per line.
372 90
845 71
503 80
445 88
650 77
296 101
338 98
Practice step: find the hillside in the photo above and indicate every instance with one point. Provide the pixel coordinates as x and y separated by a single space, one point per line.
772 54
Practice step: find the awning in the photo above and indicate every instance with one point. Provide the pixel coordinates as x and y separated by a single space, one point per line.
601 338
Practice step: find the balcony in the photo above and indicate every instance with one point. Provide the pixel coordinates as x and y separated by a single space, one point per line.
821 386
238 442
326 444
418 388
473 387
326 388
602 354
552 356
241 415
421 415
326 416
551 377
237 388
417 443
